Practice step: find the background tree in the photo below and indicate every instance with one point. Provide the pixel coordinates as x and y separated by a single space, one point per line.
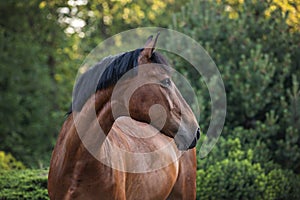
257 53
32 56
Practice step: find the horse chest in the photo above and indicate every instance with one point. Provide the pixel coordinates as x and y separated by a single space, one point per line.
152 185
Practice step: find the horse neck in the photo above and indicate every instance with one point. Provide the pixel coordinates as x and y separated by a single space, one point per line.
103 109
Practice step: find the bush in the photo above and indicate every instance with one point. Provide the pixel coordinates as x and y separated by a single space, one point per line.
23 184
8 162
241 179
230 172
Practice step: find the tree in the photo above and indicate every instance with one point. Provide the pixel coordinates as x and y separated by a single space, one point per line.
31 43
96 20
257 55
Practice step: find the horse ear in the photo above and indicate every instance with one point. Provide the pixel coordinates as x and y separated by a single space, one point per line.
148 42
149 48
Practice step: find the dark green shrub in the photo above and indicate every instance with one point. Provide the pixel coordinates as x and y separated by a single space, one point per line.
230 172
23 184
241 179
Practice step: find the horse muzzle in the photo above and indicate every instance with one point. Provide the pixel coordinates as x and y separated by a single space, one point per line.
184 144
196 138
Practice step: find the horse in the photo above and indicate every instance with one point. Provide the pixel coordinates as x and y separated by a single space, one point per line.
153 120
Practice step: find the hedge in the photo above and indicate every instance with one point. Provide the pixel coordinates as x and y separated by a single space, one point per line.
23 184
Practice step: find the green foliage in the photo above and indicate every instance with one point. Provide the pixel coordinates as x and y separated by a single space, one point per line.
288 151
32 95
246 52
101 19
8 162
258 56
257 52
24 97
230 172
23 184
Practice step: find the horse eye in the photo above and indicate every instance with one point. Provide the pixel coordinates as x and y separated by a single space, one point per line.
166 82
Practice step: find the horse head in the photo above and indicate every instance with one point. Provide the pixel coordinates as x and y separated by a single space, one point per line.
156 100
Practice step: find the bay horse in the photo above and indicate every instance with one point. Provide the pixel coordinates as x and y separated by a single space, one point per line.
154 120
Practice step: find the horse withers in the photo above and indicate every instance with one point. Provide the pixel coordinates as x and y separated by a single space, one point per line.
145 148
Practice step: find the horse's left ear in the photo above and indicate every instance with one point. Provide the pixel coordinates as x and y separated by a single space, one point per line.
148 50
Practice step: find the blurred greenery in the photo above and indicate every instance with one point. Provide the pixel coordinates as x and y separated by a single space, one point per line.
8 162
254 43
23 184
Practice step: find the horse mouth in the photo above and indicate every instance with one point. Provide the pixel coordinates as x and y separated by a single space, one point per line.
183 147
193 144
184 144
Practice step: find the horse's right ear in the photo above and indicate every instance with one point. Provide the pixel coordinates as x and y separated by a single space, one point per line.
148 50
148 41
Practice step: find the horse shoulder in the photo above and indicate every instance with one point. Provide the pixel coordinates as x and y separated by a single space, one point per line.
76 174
185 186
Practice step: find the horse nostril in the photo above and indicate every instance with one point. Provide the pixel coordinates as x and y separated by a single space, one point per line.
198 133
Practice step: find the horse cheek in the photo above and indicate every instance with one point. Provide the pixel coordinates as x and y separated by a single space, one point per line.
138 111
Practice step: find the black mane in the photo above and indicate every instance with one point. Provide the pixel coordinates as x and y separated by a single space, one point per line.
111 69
